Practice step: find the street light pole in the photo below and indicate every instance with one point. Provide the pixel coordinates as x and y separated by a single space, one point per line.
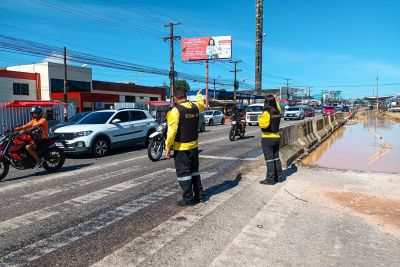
214 88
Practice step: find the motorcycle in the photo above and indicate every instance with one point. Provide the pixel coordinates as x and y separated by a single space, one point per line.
235 130
157 142
13 151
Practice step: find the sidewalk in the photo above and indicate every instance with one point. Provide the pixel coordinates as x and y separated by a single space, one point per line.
317 217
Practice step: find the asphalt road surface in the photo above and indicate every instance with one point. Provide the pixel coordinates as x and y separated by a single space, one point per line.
94 206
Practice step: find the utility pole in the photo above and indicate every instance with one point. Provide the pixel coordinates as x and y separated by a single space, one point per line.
235 83
171 38
259 44
65 76
377 90
287 89
214 89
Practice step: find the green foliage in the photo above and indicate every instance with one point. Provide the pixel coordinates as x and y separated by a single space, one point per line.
182 84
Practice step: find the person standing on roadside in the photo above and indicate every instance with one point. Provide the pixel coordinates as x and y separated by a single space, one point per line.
183 135
269 123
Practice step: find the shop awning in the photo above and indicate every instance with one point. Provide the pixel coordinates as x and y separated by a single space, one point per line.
32 103
157 103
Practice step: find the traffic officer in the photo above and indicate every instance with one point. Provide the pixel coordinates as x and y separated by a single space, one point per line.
182 136
269 124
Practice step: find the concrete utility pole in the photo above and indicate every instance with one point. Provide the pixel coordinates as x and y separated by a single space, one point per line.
259 44
65 77
235 83
377 90
171 38
287 89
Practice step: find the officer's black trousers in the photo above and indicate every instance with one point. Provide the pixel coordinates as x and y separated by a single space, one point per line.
187 171
270 147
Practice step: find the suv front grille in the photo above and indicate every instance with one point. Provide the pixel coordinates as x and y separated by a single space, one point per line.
253 117
68 136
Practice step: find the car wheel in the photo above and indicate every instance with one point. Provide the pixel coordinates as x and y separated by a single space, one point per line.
211 122
101 147
223 121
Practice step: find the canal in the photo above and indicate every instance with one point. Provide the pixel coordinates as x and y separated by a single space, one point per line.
366 144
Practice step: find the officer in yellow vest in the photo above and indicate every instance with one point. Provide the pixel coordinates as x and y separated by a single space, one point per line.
269 123
183 135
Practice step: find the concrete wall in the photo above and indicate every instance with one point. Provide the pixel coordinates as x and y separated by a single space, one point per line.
300 138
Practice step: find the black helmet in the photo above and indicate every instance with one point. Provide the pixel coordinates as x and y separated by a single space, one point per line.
37 109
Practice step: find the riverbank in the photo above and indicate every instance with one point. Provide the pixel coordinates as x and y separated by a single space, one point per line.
392 116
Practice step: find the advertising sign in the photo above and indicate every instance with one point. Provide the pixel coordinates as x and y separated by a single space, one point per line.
211 47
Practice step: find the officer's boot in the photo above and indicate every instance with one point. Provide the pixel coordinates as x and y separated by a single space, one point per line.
278 171
187 194
198 189
270 180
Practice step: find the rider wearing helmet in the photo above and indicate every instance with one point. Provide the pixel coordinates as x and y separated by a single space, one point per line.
240 116
37 120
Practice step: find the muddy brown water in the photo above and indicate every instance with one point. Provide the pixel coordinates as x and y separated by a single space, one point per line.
370 145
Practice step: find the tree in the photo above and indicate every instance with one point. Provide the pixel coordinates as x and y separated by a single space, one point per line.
182 83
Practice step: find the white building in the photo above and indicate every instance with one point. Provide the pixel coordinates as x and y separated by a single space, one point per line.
87 95
16 85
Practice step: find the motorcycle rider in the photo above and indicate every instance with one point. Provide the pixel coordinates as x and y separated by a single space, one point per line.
183 135
240 116
37 120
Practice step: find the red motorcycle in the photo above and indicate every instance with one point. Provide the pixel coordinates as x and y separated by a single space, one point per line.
14 153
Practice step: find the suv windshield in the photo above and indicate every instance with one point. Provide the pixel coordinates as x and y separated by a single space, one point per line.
293 109
255 109
208 113
77 117
97 118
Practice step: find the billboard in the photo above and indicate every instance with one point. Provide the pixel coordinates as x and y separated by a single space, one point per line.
211 47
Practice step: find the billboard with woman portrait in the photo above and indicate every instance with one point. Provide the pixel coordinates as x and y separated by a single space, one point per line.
207 48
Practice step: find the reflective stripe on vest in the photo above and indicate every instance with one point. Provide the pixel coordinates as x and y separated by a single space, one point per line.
188 124
273 127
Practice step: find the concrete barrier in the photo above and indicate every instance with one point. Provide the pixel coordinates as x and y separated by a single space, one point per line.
303 137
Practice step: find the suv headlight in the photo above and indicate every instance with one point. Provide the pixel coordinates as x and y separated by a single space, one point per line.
84 133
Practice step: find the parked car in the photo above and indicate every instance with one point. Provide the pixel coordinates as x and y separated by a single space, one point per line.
294 113
317 109
346 109
328 110
253 112
101 131
214 116
395 109
71 121
309 112
202 122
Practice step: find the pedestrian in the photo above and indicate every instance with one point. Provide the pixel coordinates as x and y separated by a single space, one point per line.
270 141
182 136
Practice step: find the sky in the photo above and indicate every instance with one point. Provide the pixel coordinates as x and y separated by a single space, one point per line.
319 44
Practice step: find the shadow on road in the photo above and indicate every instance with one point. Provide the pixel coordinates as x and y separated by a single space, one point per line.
113 152
220 188
246 137
289 171
63 169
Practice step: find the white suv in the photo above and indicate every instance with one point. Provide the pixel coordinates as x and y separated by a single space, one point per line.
103 130
214 116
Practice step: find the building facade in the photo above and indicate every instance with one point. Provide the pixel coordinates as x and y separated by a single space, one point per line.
15 85
46 82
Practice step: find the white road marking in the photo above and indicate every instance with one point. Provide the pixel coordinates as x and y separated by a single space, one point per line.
148 244
79 183
227 158
63 175
62 207
224 138
72 234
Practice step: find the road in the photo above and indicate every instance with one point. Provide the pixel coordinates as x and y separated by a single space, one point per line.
94 206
